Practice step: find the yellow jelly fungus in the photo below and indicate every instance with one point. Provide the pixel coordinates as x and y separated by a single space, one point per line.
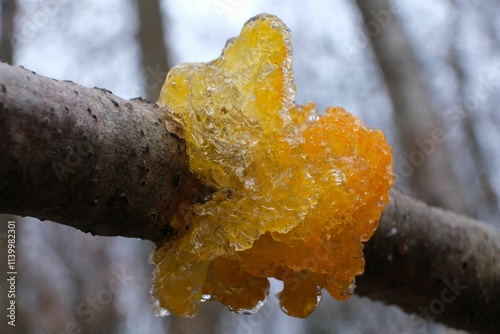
296 193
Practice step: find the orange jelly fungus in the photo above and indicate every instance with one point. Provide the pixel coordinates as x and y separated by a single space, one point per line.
297 193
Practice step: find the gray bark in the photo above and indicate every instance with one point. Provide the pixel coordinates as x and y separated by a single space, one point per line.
87 158
442 266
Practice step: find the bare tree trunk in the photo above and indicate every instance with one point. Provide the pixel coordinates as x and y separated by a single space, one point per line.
416 254
479 160
154 51
425 159
7 28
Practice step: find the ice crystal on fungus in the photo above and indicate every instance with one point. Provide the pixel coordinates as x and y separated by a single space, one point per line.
297 193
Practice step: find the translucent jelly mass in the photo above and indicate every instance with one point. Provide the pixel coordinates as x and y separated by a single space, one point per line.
297 193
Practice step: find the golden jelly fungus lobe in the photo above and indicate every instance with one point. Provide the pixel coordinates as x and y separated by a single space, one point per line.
296 192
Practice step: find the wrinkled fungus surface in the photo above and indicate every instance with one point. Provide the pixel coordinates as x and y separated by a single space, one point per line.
297 193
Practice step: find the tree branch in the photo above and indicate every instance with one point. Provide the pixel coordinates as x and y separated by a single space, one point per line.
440 265
89 159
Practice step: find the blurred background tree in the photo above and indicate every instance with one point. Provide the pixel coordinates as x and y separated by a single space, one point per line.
427 73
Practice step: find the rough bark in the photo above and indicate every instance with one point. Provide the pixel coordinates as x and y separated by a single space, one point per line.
87 158
425 160
122 172
442 266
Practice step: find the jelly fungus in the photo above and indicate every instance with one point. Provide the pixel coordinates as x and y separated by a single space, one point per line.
296 192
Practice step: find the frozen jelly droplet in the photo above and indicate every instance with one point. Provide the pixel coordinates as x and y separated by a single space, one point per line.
253 310
158 311
250 183
349 291
205 297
